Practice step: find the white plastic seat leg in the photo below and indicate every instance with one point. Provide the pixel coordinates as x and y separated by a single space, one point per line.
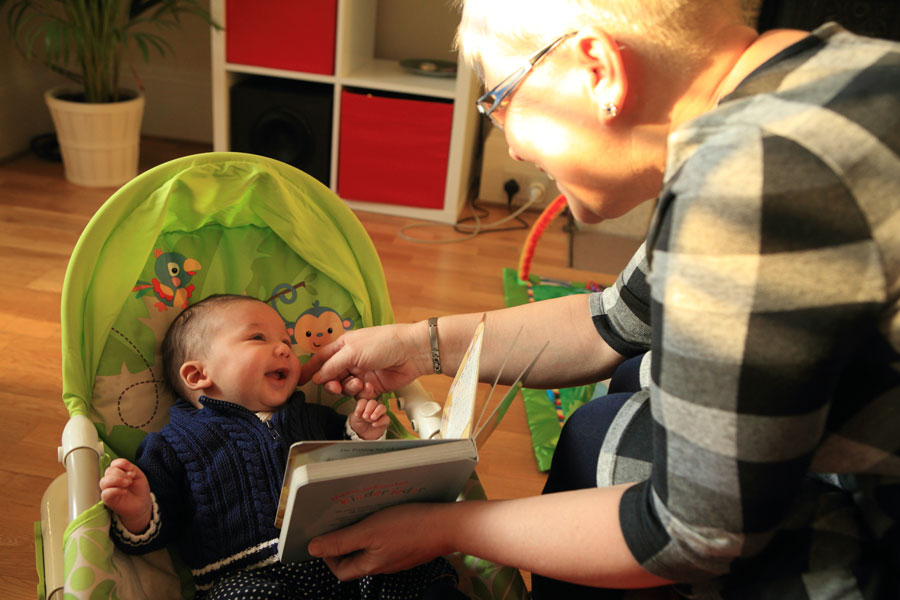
77 489
423 412
80 453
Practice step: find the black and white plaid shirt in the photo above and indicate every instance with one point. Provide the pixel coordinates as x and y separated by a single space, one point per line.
769 298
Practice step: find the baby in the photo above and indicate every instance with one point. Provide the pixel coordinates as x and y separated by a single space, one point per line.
210 480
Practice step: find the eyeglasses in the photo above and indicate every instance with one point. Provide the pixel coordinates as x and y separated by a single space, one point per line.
500 95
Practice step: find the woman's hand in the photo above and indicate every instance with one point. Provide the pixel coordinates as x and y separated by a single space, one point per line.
391 540
367 362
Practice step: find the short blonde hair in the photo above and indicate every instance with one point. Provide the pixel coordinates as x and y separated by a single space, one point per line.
671 30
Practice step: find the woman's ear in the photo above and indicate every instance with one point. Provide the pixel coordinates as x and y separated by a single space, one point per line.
601 55
194 375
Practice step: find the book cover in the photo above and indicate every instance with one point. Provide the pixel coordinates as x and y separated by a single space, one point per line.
329 495
310 452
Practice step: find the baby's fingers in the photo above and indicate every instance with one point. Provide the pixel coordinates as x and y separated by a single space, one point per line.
370 410
362 405
377 411
126 466
383 421
116 478
112 496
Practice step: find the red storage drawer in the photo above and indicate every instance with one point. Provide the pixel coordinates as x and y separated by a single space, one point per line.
393 149
295 35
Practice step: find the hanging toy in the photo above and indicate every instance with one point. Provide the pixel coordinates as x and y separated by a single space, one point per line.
551 212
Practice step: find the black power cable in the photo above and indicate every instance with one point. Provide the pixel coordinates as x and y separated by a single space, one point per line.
511 187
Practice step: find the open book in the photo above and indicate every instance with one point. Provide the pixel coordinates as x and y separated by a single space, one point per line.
332 484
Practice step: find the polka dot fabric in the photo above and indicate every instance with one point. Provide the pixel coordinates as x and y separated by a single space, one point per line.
313 579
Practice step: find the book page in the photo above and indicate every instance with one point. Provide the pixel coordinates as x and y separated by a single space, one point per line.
485 429
459 407
478 423
490 424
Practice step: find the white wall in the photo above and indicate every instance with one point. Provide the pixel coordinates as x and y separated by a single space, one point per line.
179 85
415 29
179 99
22 111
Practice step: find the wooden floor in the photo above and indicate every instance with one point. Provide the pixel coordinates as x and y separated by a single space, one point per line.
41 218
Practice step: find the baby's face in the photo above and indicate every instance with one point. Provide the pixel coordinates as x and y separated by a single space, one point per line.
249 358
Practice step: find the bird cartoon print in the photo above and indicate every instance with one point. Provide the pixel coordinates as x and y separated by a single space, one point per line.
172 284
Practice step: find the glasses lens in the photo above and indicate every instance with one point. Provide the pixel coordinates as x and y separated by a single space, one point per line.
494 101
485 105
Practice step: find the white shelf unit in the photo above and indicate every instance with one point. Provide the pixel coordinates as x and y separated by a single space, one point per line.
357 66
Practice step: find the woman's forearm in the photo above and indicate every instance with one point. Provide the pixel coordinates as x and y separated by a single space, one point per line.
576 354
572 536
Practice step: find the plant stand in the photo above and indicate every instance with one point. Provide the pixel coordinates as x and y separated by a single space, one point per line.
100 143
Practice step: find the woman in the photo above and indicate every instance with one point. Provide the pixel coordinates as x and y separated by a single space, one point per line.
756 453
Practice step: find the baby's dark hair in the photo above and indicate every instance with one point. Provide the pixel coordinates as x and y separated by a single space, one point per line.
189 335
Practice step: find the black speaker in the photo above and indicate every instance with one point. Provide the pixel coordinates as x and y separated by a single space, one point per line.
286 120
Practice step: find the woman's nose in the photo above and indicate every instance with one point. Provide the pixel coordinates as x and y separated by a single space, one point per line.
514 156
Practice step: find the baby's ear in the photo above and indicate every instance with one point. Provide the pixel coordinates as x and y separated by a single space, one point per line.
194 375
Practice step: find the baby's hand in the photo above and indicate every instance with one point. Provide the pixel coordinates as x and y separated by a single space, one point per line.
370 419
125 490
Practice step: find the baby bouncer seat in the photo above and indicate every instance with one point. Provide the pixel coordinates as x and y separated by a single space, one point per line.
195 226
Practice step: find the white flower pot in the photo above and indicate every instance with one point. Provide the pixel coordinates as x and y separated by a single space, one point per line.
100 143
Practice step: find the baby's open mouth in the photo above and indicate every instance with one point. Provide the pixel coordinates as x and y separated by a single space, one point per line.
278 374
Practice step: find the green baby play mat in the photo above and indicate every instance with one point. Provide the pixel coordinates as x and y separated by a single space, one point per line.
547 410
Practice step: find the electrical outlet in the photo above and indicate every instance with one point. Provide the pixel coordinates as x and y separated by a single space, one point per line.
498 167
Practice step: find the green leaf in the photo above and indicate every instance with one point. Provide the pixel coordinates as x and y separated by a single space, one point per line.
105 590
142 45
70 554
94 553
103 550
81 579
84 40
161 44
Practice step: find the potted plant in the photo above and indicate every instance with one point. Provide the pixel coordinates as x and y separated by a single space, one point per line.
97 121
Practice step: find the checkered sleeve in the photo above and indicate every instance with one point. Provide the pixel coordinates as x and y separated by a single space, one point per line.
621 312
764 278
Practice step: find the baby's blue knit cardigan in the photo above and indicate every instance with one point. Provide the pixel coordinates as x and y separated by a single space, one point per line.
216 474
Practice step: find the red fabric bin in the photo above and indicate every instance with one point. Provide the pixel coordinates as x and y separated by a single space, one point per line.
394 149
294 35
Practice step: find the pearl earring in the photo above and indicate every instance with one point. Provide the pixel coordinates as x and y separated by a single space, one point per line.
611 109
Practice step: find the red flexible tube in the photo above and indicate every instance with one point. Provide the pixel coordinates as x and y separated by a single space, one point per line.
551 212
